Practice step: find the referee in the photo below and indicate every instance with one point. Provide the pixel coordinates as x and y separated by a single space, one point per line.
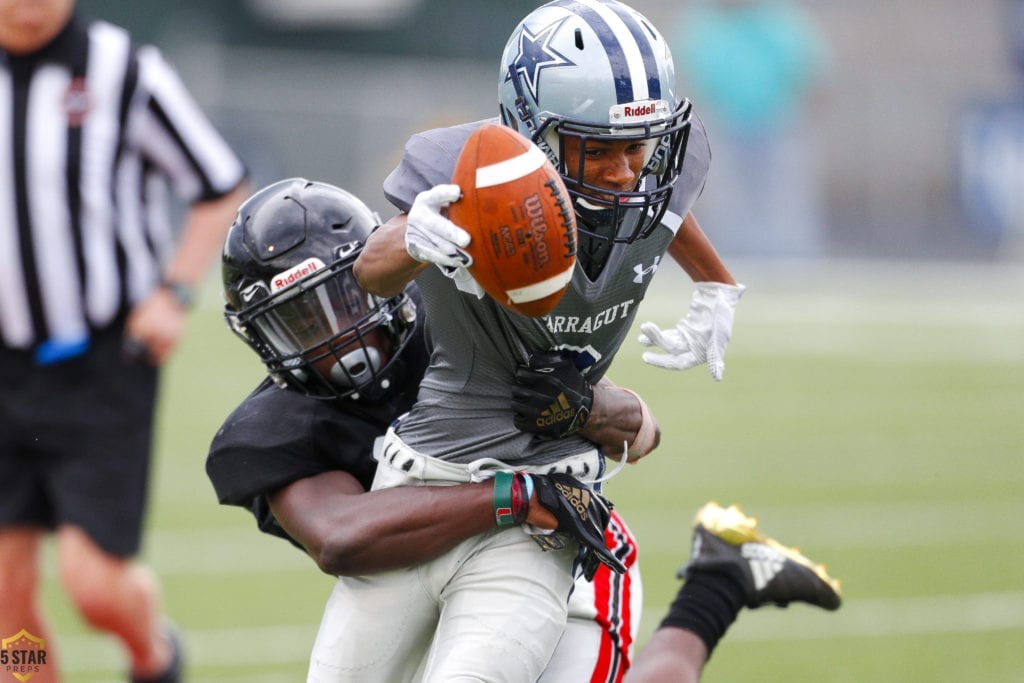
93 297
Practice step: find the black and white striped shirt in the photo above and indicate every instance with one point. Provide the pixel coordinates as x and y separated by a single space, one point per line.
94 129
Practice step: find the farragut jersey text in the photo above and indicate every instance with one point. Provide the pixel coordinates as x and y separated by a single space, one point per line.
571 324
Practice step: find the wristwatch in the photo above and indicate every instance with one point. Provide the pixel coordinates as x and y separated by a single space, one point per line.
182 293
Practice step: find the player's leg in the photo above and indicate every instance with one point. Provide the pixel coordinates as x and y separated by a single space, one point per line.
374 628
379 627
732 565
672 655
604 616
503 599
503 610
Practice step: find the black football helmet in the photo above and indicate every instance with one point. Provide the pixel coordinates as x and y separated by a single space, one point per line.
292 297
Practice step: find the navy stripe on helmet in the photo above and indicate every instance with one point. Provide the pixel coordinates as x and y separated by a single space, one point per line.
643 41
624 91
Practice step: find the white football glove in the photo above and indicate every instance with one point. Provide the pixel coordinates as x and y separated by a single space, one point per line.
699 337
432 238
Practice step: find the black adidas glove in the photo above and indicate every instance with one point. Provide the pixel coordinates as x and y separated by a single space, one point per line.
551 398
582 514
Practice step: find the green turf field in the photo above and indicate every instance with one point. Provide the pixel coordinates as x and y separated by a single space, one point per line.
874 418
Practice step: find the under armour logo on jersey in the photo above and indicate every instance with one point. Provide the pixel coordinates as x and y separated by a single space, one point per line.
535 55
642 272
764 562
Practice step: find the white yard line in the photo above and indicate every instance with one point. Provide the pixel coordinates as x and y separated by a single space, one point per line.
877 617
860 525
858 618
235 551
886 312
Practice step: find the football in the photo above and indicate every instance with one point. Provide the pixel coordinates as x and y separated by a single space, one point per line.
515 207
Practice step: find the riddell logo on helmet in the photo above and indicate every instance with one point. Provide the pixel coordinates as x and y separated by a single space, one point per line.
642 110
295 273
638 111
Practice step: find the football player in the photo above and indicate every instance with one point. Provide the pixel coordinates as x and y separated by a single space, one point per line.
342 365
592 83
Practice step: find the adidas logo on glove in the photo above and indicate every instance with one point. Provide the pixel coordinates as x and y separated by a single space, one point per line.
578 498
557 412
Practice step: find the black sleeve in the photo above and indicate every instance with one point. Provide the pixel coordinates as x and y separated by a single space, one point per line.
267 523
277 436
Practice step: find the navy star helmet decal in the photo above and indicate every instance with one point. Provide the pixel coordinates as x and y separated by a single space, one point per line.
535 55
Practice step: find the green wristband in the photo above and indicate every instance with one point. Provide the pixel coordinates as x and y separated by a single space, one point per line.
503 513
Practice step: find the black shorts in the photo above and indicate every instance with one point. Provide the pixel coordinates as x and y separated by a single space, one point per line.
75 443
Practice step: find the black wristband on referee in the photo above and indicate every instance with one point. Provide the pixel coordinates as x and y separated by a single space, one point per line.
511 498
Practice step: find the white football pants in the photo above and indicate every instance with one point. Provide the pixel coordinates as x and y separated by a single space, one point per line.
491 609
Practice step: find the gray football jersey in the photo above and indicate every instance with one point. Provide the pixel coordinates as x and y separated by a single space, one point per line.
463 411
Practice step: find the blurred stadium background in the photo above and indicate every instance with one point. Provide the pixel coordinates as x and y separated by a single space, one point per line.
872 409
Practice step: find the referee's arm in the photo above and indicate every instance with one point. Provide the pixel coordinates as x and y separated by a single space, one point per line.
158 321
202 238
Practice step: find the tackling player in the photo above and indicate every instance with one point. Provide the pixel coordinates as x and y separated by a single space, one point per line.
297 452
342 364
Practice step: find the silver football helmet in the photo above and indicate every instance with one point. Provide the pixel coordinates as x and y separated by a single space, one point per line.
597 69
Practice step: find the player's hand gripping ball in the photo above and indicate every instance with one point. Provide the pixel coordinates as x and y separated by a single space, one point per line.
518 212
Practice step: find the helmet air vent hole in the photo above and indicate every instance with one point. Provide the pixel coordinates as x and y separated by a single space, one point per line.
579 39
